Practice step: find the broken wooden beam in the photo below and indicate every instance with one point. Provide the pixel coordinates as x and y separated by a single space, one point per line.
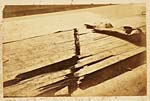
110 61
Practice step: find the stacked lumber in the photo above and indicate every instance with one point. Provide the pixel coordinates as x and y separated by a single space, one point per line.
48 64
30 54
98 51
128 84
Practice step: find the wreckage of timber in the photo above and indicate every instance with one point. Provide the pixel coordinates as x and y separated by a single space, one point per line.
62 60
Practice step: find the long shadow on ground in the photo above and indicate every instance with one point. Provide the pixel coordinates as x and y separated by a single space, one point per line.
62 65
95 78
112 71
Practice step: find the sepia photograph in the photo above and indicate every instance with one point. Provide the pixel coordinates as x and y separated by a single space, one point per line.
73 48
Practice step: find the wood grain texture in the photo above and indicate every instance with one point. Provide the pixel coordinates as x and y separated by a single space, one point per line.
82 99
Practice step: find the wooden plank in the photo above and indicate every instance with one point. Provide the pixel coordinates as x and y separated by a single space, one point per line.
132 81
58 40
101 45
30 54
118 57
34 53
48 40
31 81
27 86
90 36
101 55
58 50
19 69
94 40
33 84
21 66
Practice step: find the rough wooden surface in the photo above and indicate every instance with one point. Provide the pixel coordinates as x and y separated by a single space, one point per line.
138 74
102 49
97 51
114 59
36 54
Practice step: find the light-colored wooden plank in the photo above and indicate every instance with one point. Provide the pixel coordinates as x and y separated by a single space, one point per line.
41 53
101 45
103 54
126 84
132 10
33 84
128 52
37 63
30 54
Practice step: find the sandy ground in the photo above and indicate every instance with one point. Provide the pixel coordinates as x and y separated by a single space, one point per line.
25 10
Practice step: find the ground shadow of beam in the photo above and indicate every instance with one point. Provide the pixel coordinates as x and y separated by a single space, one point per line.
70 81
54 87
137 39
95 78
51 92
62 65
112 71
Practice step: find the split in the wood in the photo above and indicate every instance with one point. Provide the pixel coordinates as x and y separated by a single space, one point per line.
94 78
77 42
72 79
62 65
102 75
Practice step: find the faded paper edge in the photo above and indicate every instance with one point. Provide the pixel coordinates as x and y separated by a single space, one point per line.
118 98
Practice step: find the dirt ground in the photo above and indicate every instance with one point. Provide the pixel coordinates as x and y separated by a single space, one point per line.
24 10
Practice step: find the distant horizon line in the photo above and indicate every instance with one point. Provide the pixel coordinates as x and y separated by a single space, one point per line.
78 3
